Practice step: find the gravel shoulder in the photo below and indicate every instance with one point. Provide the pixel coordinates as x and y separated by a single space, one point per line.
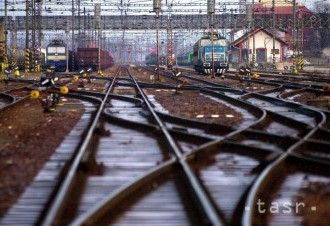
28 138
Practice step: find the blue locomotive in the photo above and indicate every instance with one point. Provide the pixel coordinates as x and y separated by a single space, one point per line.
202 53
57 55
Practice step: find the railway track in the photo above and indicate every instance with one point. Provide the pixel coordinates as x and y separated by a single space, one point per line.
140 165
285 76
5 100
12 95
299 81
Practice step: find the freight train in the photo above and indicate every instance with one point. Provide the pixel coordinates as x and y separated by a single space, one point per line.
56 55
202 54
83 58
88 58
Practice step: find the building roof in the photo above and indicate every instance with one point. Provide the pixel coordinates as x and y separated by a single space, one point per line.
261 9
277 2
246 35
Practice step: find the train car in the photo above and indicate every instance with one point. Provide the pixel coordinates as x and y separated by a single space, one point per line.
185 59
88 57
151 59
56 55
202 54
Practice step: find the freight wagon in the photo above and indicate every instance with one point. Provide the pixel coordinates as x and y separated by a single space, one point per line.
89 57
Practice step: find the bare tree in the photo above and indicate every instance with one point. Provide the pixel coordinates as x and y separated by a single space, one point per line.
322 9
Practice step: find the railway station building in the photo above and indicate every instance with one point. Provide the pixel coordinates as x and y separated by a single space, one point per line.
242 48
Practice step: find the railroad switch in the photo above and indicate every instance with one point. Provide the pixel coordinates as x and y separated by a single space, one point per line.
50 103
50 71
255 76
84 74
245 71
89 70
178 86
17 73
47 81
7 72
52 100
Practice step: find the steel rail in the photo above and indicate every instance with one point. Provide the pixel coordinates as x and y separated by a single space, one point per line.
88 218
54 211
247 219
207 205
97 211
267 81
8 100
308 90
91 216
318 116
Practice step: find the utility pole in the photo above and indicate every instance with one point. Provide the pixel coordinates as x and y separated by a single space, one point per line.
84 30
14 44
157 8
33 46
27 37
97 15
73 41
300 45
274 33
67 46
211 11
253 38
79 27
294 36
5 56
37 8
169 40
248 30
